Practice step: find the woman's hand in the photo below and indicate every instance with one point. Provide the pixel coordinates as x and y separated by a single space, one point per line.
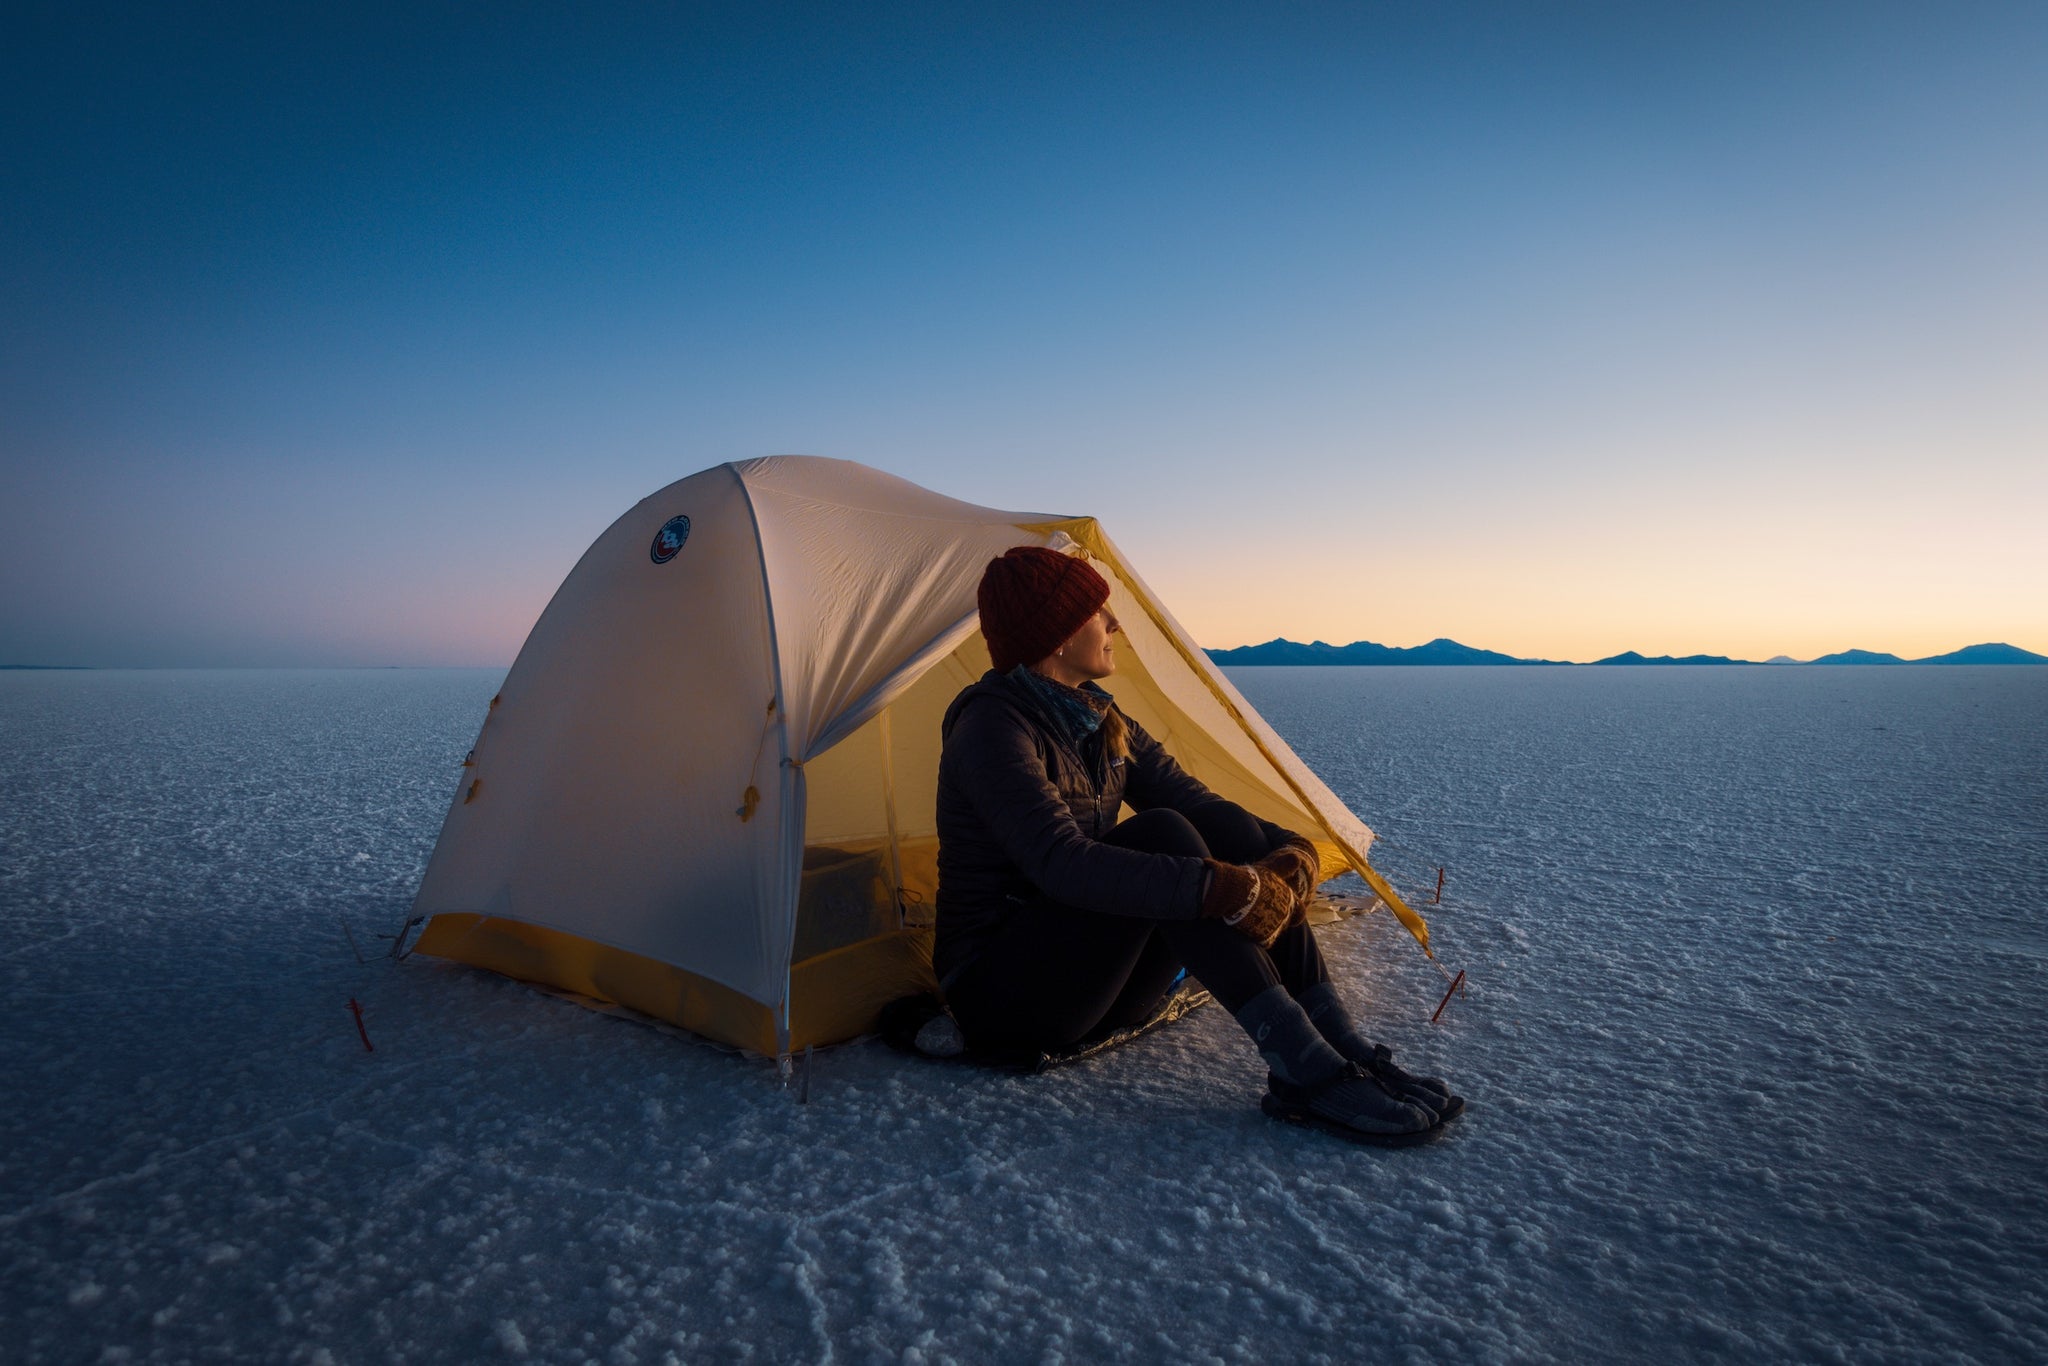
1297 864
1257 903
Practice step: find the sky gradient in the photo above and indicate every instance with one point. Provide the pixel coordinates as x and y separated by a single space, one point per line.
1561 330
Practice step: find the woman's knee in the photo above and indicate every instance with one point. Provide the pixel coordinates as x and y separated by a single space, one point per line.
1159 831
1230 831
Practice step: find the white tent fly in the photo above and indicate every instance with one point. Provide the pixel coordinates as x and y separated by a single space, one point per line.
706 788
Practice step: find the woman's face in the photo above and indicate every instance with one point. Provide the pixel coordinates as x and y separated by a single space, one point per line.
1088 653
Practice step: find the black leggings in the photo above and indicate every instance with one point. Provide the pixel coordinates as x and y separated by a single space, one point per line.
1055 975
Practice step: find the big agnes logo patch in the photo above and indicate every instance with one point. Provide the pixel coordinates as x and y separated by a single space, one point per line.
669 539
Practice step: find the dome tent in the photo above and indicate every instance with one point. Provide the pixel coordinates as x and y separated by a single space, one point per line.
705 790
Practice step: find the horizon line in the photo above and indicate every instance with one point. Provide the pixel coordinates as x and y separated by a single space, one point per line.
1507 661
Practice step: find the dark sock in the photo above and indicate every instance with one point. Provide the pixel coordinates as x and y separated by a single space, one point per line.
1286 1039
1333 1022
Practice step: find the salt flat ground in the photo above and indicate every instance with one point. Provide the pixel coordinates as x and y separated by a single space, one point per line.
1753 1045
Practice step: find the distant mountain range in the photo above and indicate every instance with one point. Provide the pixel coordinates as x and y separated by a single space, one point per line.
1438 651
1444 651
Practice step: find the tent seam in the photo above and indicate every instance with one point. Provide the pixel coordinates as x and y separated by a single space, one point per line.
781 726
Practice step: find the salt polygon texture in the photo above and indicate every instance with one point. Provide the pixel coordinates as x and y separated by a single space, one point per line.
1751 1044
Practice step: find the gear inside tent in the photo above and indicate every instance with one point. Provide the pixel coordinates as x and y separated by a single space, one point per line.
706 789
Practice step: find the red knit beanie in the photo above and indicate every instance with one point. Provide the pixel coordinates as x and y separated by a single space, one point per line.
1032 599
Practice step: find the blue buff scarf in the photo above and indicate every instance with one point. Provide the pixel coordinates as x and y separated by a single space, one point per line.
1080 710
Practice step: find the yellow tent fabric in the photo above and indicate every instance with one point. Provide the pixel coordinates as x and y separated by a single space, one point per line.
706 788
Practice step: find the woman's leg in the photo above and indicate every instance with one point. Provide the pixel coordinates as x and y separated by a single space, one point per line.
1054 974
1283 996
1156 832
1235 836
1232 833
1298 959
1232 967
1047 978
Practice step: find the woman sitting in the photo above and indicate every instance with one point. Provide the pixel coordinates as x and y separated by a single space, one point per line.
1058 924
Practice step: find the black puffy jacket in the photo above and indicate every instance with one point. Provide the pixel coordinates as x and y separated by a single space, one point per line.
1023 808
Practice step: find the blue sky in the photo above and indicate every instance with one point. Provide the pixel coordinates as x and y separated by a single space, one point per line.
335 338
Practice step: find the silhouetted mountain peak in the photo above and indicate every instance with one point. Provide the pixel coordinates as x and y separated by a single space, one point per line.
1995 653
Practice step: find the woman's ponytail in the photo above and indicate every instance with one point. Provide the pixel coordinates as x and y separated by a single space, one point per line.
1116 734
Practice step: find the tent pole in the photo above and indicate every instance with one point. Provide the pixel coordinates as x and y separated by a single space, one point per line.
889 810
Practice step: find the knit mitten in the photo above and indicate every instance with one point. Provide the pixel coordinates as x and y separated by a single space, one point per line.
1257 905
1296 863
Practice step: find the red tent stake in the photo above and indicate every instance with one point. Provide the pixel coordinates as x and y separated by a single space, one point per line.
1456 982
356 1007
